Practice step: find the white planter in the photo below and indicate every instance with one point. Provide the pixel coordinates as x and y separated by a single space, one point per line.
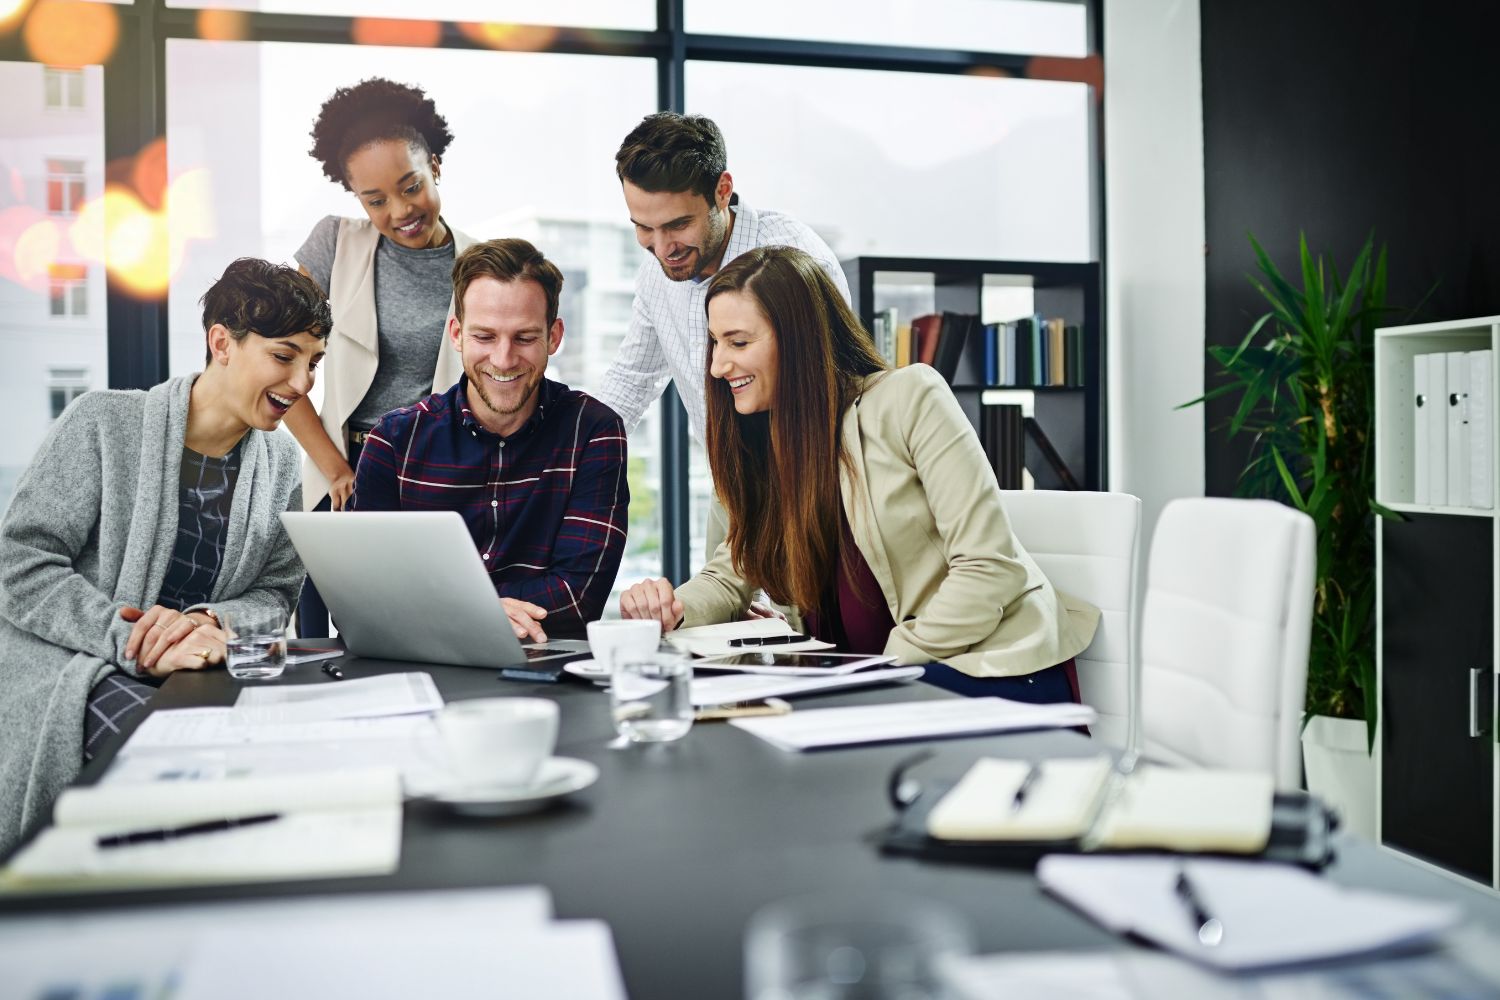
1340 770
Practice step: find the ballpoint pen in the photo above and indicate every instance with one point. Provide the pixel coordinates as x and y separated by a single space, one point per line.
769 640
332 670
1210 928
191 829
1033 774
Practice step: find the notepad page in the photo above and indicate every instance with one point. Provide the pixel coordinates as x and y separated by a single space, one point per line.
1057 806
367 697
327 844
115 807
829 727
1186 809
713 640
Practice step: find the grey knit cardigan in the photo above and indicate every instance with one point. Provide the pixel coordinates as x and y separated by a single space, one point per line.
91 529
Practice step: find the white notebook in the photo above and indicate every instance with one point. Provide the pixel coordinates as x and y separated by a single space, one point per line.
329 825
1178 809
830 727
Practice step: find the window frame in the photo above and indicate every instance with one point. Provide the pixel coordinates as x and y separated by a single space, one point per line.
135 82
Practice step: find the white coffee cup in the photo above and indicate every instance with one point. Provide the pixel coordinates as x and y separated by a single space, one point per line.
616 640
498 742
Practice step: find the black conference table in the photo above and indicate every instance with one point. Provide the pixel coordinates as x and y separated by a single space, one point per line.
677 845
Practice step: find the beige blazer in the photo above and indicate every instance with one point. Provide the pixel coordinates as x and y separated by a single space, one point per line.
924 510
354 346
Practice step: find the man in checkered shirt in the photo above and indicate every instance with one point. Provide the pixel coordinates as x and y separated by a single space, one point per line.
687 216
536 469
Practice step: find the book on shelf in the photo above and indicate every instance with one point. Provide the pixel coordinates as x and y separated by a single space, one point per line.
1003 435
1030 352
1452 408
1051 454
903 346
883 332
924 337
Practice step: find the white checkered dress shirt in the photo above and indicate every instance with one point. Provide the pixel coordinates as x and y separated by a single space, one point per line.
668 336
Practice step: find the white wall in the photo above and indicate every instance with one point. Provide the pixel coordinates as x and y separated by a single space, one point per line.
1154 238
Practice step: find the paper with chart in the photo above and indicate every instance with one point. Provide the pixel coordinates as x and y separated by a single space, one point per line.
830 727
368 697
211 744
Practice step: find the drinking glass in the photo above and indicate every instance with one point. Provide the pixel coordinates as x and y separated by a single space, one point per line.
256 647
650 697
859 946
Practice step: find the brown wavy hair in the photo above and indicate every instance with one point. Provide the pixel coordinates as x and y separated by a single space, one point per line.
777 472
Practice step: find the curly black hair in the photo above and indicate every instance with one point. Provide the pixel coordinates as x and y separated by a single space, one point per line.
370 111
272 300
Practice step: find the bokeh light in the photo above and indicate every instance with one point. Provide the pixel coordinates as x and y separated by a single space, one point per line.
397 31
509 37
11 11
19 245
36 251
133 239
71 33
222 25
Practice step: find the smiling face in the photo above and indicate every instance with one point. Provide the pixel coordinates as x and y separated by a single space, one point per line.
505 341
396 183
681 229
263 377
745 356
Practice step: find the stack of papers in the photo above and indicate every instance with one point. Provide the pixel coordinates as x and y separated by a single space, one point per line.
326 826
449 941
212 744
913 720
1270 914
366 698
713 640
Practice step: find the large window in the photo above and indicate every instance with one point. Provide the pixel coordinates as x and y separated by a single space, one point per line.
942 128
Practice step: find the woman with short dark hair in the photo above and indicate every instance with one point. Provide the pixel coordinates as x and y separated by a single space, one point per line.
389 277
862 496
142 517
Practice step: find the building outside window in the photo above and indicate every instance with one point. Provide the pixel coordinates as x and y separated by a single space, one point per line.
64 386
68 290
65 186
62 89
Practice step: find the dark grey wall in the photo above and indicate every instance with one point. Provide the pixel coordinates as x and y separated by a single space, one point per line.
1338 117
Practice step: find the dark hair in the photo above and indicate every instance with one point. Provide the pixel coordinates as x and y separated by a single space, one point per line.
672 152
370 111
506 260
272 300
777 474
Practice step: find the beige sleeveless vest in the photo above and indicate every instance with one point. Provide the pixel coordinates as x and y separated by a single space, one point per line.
354 347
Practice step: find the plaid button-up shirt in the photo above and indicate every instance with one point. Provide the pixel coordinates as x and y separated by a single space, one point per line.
546 506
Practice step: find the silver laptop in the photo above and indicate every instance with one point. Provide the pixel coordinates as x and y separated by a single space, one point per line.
409 585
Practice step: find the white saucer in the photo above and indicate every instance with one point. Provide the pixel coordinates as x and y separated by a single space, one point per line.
558 776
591 670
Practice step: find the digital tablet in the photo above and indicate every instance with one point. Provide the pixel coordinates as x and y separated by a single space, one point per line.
792 664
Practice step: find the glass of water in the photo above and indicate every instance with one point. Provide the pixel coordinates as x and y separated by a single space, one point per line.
857 946
650 697
256 648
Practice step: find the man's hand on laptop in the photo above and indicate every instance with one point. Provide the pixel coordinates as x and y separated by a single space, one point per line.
525 618
653 599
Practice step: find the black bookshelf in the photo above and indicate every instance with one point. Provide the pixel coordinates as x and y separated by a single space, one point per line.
1072 417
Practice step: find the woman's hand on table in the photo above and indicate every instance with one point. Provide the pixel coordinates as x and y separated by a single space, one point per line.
653 599
163 640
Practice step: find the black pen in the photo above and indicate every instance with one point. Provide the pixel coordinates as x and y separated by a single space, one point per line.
769 640
1032 776
1210 928
332 670
191 829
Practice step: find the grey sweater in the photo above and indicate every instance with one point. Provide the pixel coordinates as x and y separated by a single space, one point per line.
90 530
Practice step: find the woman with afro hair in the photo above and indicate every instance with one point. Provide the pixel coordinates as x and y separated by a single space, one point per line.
388 276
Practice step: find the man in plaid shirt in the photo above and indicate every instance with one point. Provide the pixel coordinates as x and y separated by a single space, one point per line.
536 469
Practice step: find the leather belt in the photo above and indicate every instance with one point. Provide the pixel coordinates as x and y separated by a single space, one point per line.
358 436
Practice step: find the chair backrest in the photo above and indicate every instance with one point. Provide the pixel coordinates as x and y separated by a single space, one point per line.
1224 635
1087 545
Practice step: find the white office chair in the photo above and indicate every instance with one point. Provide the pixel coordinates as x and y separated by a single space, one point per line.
1087 544
1224 636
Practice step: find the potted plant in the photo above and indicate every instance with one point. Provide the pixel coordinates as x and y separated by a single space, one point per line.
1304 380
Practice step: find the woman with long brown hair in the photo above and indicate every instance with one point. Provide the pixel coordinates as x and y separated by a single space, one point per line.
862 496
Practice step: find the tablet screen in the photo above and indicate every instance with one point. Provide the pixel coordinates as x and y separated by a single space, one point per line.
810 660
